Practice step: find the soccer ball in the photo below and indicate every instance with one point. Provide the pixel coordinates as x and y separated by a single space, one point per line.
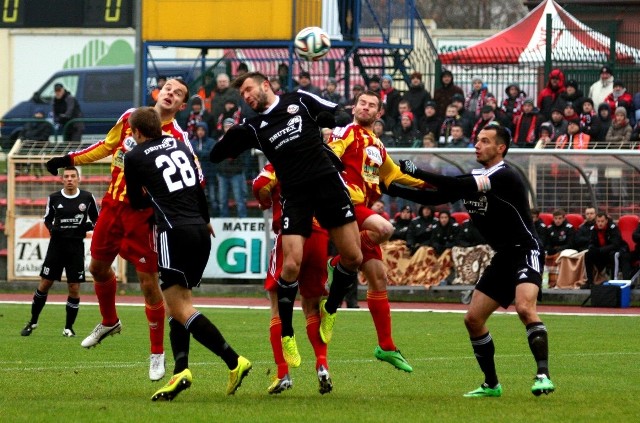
312 43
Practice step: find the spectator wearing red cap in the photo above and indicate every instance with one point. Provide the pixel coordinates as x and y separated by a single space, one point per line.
405 134
549 96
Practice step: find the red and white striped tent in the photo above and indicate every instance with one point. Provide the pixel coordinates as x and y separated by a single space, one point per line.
525 42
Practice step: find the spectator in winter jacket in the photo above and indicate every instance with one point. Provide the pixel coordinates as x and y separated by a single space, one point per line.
401 224
572 94
605 117
512 104
444 95
619 97
330 93
230 111
475 100
526 125
549 97
486 116
197 114
39 130
444 232
619 133
499 115
468 235
559 234
545 136
600 89
390 97
202 145
406 135
379 130
419 232
465 117
430 122
558 122
574 139
451 118
458 140
589 121
606 241
417 95
569 112
65 108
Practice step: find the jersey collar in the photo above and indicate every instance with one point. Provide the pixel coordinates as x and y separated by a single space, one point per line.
275 103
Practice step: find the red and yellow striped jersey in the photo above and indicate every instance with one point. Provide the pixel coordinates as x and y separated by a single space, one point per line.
117 142
366 163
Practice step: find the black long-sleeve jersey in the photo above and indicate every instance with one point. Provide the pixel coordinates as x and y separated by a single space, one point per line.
70 216
170 176
288 134
495 198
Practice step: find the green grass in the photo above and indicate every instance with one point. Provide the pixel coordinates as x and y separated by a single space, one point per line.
594 364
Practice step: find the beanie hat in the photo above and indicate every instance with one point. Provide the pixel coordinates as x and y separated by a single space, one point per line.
604 106
305 74
446 72
430 103
588 100
457 97
621 111
229 121
486 109
476 78
618 83
528 100
203 125
387 77
606 69
572 83
196 100
380 121
374 78
409 115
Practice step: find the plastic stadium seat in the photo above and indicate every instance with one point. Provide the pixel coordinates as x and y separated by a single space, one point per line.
547 218
460 216
575 219
627 224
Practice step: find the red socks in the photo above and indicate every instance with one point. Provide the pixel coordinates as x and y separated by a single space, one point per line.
381 312
319 347
275 335
155 317
106 293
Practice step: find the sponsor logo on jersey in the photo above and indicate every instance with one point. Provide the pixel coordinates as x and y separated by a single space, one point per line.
128 144
294 125
374 155
292 109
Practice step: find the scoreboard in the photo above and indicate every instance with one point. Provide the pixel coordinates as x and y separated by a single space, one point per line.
66 13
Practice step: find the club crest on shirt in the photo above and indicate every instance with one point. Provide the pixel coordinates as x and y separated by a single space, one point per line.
82 207
293 108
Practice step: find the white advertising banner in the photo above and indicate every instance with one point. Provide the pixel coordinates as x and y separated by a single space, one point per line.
239 249
30 246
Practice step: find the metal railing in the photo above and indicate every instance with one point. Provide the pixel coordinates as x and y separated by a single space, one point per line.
568 179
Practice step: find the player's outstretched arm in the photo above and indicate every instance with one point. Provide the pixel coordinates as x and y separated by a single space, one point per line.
237 139
427 197
59 162
462 185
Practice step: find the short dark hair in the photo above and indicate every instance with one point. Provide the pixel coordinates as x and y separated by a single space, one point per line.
147 121
184 84
559 212
72 168
256 76
503 134
373 94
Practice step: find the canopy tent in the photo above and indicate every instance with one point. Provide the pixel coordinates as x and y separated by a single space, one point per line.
525 42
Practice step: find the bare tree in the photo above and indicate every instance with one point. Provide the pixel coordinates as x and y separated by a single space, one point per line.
465 14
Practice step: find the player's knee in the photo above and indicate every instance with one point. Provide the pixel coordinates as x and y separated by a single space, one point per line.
351 259
385 232
100 271
472 322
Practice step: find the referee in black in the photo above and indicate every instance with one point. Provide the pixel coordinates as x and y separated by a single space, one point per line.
163 173
70 213
287 130
496 199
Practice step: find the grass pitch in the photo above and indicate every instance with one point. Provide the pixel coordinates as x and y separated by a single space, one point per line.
594 364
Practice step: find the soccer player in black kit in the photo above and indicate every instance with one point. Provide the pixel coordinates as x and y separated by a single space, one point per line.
162 172
287 130
496 200
71 212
